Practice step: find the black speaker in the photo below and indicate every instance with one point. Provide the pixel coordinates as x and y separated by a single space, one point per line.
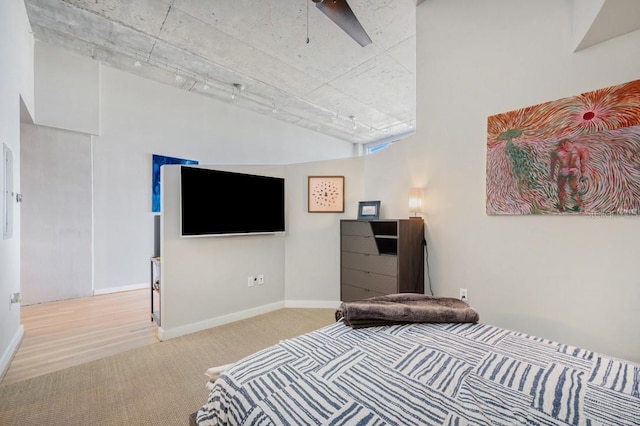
156 235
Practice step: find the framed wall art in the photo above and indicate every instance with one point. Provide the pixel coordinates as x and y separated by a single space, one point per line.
573 156
325 194
369 210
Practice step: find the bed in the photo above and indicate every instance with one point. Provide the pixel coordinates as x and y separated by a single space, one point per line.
424 374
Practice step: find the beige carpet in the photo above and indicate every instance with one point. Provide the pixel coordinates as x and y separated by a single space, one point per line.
160 384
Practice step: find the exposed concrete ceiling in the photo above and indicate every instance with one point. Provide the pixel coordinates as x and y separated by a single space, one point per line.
330 84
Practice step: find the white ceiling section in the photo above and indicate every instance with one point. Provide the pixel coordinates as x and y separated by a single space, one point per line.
331 84
596 21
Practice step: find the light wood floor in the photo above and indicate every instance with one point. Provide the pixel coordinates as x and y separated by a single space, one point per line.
71 332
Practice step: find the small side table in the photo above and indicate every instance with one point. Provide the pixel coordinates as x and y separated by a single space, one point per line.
155 287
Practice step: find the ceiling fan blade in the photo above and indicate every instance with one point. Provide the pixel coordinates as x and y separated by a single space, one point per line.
340 13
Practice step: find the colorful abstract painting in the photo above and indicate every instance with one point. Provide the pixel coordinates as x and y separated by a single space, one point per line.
158 161
576 155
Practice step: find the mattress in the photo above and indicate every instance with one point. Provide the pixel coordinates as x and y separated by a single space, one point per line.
424 374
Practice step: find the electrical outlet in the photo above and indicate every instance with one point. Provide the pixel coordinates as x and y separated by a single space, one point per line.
260 279
463 294
251 281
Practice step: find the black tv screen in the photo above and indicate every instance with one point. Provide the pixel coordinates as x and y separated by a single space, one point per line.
216 202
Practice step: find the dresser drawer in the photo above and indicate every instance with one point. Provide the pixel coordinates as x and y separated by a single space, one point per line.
351 293
362 229
385 284
357 244
386 265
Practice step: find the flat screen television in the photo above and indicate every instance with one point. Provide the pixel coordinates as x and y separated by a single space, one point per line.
215 202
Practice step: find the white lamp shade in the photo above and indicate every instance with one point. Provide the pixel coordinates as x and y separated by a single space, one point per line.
415 200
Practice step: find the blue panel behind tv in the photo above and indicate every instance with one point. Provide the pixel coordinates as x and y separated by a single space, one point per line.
158 161
215 202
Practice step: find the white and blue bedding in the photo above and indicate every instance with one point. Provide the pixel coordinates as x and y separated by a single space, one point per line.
424 374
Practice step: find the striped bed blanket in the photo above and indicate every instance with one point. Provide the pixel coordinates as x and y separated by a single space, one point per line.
424 374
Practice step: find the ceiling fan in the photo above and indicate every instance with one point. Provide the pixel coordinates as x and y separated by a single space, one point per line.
340 13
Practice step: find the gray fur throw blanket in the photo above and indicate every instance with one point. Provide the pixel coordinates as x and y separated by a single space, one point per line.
402 308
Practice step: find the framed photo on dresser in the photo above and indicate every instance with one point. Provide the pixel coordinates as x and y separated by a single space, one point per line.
369 210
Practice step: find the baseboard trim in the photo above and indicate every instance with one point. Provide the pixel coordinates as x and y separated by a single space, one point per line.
8 355
110 290
324 304
164 334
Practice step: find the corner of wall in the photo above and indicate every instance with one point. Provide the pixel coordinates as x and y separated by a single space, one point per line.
9 353
585 13
166 334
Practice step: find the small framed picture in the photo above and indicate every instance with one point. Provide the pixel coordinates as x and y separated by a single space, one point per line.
326 194
369 210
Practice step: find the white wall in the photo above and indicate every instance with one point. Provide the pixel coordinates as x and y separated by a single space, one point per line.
584 13
56 241
139 118
570 279
204 279
66 90
16 82
312 260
